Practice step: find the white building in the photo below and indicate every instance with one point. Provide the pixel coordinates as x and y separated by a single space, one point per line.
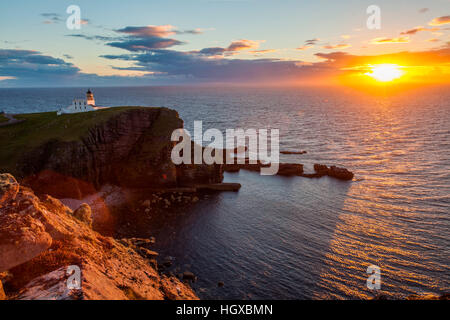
81 105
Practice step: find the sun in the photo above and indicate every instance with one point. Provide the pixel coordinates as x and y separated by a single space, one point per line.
385 72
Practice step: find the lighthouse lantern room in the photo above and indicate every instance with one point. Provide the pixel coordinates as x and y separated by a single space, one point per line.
81 105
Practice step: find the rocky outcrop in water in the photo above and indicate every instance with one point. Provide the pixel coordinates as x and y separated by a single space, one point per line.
40 239
333 171
294 169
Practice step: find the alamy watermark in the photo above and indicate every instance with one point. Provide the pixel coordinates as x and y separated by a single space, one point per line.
74 278
74 21
374 19
221 150
374 280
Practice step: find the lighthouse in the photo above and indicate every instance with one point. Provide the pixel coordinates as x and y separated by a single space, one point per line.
81 105
90 98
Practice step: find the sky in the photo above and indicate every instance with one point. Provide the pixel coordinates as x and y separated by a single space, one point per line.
267 42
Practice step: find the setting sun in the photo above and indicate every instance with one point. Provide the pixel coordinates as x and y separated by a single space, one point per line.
385 72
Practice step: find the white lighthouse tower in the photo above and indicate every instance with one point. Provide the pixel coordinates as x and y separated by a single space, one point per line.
81 105
90 98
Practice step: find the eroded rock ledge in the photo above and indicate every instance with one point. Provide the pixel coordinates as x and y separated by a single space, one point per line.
40 238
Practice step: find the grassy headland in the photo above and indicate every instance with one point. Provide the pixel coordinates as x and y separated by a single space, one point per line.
38 128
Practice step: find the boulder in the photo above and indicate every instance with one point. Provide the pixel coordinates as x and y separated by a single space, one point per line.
340 173
8 188
84 214
189 276
290 169
333 171
22 235
148 254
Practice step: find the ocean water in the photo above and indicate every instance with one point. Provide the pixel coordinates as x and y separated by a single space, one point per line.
296 238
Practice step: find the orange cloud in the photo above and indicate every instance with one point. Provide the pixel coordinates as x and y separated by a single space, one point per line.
150 31
440 21
390 40
418 29
263 51
243 44
306 47
337 46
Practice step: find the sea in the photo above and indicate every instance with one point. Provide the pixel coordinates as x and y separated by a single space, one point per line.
298 238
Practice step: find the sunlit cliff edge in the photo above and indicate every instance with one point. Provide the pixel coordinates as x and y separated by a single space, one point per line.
40 238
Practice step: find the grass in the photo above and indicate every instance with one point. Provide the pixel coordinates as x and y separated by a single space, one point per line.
39 128
3 119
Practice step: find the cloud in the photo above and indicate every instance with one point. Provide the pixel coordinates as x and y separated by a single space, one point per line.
140 39
196 67
263 51
94 37
164 66
146 38
51 18
390 40
415 30
233 48
309 44
312 42
423 10
337 46
28 64
149 31
162 31
406 58
440 21
305 47
433 40
145 44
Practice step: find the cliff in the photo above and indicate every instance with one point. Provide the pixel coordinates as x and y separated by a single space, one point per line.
40 238
73 155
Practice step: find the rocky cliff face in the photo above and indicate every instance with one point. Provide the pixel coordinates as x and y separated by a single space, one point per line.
40 238
131 149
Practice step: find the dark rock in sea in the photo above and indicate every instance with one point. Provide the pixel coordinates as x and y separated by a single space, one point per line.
167 262
290 169
321 169
219 187
285 169
187 275
293 152
220 284
333 171
340 173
